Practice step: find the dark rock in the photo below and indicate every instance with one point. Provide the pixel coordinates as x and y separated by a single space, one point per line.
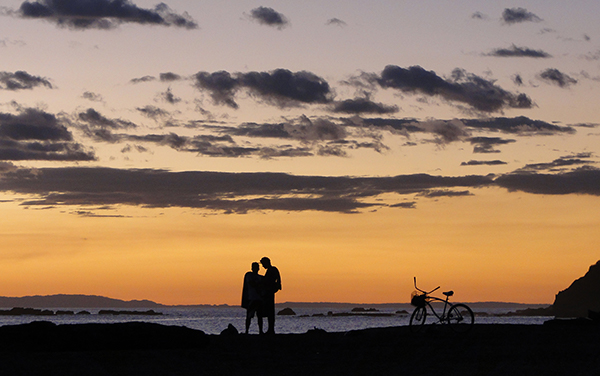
316 331
19 311
286 312
59 312
230 331
83 313
114 313
361 309
582 296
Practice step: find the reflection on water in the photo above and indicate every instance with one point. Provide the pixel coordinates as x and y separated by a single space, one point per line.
213 320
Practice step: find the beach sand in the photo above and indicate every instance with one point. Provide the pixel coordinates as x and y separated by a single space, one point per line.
566 348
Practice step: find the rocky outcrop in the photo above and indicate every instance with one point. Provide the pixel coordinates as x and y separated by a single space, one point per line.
581 297
286 312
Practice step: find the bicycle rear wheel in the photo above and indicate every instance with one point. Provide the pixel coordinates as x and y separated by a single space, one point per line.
460 318
417 319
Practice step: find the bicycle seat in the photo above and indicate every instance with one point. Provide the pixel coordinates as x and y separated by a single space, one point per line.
448 293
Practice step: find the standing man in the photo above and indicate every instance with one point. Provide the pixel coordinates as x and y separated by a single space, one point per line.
272 284
252 297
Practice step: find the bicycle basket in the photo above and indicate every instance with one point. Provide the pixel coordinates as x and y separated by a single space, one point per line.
417 299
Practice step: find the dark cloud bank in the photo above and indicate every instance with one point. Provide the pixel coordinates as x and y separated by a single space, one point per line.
244 192
101 14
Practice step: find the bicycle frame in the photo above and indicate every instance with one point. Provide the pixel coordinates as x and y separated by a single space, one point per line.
429 299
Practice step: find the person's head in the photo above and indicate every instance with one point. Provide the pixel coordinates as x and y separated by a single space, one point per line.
265 262
255 267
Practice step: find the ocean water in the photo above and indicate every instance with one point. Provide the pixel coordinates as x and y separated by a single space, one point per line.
213 320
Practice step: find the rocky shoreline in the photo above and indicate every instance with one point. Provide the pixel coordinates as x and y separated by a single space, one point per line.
19 311
562 347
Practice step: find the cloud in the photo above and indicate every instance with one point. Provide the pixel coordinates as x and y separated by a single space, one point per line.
445 131
142 79
270 17
169 77
554 76
485 163
101 14
169 97
517 79
518 125
486 144
363 105
517 15
435 193
585 180
33 134
479 16
480 94
216 191
335 22
95 119
154 112
561 164
280 87
21 80
92 96
320 136
515 51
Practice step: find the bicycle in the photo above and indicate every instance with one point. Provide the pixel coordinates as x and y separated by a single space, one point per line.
459 317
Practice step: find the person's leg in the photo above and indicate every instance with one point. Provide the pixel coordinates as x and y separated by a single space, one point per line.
260 324
248 319
270 312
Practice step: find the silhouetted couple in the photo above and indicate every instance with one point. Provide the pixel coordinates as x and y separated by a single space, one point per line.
258 294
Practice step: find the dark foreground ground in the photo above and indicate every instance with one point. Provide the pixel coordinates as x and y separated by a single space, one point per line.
567 348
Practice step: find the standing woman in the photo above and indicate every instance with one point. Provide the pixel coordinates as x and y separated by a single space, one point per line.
252 297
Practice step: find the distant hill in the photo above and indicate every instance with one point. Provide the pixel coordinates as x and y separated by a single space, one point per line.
74 301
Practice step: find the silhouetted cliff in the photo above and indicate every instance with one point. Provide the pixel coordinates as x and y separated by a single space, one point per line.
582 296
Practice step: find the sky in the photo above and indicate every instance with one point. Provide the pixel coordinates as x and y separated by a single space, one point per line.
154 151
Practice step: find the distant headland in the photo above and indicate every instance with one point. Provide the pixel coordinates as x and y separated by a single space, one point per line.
74 301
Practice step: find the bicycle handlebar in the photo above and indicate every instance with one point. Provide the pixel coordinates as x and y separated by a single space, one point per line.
424 292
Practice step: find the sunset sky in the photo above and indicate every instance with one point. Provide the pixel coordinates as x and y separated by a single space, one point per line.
154 151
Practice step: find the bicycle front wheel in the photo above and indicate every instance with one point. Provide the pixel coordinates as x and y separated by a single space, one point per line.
460 318
417 319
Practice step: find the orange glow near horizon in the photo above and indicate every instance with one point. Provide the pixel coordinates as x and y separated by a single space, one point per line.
492 246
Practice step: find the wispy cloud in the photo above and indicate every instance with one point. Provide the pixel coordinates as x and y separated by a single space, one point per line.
335 22
515 51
